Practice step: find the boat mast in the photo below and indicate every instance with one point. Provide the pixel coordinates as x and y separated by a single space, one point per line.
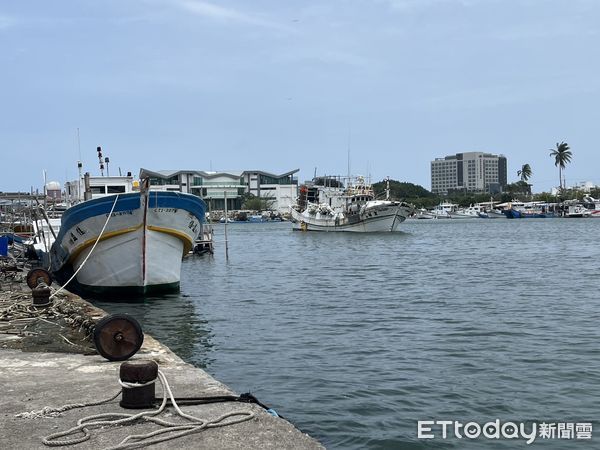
348 156
387 188
79 167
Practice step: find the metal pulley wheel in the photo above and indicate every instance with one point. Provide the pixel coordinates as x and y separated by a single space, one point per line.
36 275
118 337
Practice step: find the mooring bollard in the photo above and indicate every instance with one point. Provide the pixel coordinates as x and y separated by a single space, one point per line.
138 379
41 295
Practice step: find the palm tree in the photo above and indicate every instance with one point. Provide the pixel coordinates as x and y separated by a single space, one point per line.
525 172
562 156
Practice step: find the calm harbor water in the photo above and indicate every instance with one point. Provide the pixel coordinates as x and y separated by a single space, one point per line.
355 337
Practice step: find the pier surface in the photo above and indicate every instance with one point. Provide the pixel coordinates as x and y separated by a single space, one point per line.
37 378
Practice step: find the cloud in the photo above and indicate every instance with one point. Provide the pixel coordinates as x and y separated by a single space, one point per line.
227 15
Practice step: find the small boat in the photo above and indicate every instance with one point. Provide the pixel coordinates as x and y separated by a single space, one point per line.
44 232
328 205
577 211
492 214
443 210
531 210
204 242
472 212
592 205
126 244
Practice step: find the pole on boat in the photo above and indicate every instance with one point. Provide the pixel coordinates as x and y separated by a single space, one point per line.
45 216
226 219
387 188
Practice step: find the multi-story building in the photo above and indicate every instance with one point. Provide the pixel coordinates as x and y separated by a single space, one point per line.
471 172
213 187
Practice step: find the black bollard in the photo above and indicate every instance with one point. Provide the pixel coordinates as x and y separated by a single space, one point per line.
138 372
41 295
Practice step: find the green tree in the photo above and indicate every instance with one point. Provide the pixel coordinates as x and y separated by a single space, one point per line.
562 156
520 190
409 192
525 172
254 203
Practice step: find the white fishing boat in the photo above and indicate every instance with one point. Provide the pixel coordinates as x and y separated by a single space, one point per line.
492 214
44 234
443 211
472 212
577 211
592 205
126 244
328 205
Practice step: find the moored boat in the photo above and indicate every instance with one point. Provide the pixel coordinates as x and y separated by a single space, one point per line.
472 212
531 210
328 205
577 211
126 244
592 205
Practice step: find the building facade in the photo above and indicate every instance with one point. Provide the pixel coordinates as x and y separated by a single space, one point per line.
215 187
470 172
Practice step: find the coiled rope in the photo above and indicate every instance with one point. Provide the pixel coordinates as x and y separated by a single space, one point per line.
176 430
91 251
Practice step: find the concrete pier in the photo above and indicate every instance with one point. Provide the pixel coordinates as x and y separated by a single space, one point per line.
35 379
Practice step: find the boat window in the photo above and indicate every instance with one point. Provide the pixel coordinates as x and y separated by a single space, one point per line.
97 189
115 189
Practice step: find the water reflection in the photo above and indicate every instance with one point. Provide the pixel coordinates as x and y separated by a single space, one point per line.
174 321
355 337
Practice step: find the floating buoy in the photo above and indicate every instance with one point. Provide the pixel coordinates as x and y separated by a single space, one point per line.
118 337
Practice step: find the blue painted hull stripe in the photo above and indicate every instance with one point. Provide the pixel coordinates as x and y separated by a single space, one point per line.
127 202
97 207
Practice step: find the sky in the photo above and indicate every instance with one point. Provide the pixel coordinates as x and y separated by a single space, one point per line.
280 85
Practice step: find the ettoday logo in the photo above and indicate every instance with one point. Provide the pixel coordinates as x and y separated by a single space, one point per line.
448 429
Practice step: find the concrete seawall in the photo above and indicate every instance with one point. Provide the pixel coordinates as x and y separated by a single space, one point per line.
37 378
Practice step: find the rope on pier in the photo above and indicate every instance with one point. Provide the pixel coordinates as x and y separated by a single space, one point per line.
91 251
176 430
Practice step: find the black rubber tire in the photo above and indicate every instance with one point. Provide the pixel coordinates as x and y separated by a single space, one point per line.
113 324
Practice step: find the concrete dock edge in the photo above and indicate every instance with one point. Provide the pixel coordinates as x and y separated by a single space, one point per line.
32 381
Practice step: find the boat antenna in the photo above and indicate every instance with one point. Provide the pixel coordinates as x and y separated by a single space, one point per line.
99 149
348 154
79 168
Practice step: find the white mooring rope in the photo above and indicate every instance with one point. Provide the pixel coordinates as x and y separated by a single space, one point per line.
176 430
91 251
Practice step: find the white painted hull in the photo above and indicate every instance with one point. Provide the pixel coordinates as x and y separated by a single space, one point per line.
116 262
462 216
140 250
387 219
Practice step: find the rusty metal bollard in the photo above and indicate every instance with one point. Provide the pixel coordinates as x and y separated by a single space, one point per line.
138 379
41 295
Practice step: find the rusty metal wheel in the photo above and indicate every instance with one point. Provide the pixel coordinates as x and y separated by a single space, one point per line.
37 274
118 337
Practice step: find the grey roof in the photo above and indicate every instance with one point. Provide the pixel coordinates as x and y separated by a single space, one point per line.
202 173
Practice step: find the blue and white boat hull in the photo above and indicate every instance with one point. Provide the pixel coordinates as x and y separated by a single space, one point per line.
140 251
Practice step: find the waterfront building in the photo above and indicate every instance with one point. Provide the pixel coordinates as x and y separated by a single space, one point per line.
470 172
213 187
282 189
